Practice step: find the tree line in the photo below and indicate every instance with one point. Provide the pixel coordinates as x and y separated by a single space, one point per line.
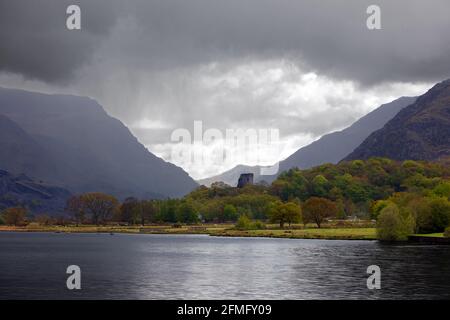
403 197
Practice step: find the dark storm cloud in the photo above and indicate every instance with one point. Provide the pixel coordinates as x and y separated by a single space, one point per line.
35 42
329 36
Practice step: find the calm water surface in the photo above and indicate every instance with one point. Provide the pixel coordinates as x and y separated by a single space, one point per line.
120 266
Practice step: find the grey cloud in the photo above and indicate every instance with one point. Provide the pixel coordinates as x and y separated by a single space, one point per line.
168 60
330 36
36 44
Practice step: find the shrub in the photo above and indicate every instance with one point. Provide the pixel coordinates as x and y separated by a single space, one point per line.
447 232
391 226
243 223
440 213
258 225
433 215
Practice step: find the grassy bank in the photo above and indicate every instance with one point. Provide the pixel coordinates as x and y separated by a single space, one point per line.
210 229
432 235
313 233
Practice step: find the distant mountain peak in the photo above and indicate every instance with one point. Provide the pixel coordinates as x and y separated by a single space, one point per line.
419 132
330 148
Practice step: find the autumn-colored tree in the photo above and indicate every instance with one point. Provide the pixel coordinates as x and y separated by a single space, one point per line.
99 206
318 209
14 216
75 208
44 220
131 211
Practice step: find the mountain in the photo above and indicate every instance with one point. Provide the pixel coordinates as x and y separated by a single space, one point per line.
71 142
419 132
330 148
20 152
20 190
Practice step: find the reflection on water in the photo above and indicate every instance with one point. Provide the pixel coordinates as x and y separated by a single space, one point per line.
200 267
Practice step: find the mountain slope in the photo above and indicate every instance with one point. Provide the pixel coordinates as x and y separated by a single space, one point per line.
20 152
419 132
20 190
330 148
86 149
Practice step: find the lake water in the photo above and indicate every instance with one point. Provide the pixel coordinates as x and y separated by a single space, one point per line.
120 266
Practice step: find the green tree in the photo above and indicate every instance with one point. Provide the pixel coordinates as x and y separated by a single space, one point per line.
377 207
168 210
433 215
292 212
440 214
186 212
230 213
442 189
320 186
282 213
150 210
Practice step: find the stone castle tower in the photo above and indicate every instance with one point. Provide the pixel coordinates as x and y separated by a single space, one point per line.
245 179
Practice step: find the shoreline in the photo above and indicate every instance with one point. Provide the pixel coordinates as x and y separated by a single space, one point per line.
214 230
330 233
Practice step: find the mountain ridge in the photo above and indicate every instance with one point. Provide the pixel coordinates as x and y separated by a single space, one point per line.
330 148
88 149
419 132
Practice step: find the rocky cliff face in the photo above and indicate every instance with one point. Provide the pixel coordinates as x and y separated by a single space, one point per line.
419 132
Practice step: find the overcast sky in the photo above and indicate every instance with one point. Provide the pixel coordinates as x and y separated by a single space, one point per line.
304 67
